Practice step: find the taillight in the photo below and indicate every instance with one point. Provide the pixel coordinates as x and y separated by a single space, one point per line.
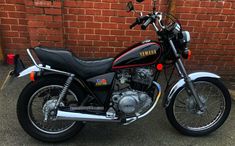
10 59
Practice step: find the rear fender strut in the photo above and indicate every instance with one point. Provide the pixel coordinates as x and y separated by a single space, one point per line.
47 70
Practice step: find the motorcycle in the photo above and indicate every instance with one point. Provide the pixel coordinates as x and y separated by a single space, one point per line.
65 92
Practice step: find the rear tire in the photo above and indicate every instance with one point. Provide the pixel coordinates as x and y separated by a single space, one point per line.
23 114
204 130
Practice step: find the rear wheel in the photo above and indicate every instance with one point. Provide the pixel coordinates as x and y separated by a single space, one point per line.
32 104
184 114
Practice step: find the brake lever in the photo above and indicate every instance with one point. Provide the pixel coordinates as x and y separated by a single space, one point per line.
159 18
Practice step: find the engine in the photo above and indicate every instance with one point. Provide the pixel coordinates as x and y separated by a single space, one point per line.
131 102
130 97
143 76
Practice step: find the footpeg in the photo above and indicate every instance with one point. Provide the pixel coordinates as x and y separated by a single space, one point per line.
111 113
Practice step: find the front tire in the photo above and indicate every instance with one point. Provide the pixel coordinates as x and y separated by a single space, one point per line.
31 125
183 106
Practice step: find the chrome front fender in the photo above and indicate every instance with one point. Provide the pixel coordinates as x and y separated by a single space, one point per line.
181 83
28 71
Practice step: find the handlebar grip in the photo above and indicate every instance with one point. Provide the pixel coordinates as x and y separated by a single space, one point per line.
133 25
146 23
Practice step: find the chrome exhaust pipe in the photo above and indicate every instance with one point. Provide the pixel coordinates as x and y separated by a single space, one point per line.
74 116
133 119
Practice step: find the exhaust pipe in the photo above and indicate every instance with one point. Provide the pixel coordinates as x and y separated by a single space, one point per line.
74 116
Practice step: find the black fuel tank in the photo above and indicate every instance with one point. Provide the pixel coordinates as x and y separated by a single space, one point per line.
140 54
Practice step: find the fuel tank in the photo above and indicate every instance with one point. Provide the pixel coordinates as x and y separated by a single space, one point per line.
141 54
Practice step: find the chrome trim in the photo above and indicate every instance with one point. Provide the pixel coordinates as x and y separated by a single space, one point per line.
155 27
132 119
186 35
34 123
181 83
28 71
47 67
31 57
75 116
156 100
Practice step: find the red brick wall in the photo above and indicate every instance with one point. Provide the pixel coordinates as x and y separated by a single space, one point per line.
212 27
13 26
100 28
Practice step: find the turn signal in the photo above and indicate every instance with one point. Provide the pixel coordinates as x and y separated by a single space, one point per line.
189 54
159 67
32 76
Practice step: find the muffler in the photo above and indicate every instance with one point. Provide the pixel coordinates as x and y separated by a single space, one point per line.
76 116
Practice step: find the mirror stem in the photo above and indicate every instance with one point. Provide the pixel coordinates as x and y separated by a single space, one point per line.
154 6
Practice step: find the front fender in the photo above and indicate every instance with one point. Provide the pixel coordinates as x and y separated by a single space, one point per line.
28 71
181 83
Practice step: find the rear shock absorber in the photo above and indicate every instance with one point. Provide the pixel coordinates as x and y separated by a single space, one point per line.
65 89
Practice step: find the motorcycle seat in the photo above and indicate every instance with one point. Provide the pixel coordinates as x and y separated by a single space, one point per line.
65 60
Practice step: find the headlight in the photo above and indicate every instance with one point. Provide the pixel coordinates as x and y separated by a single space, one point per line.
186 37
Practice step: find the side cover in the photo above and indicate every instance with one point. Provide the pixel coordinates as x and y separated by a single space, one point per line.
101 85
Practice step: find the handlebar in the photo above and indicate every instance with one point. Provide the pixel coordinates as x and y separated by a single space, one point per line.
133 24
148 19
146 23
139 21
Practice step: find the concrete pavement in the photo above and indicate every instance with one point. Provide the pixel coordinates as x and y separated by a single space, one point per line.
154 130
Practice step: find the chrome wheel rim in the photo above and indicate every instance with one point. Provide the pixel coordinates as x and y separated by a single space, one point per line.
196 121
35 110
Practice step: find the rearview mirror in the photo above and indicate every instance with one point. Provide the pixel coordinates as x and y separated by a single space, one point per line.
130 6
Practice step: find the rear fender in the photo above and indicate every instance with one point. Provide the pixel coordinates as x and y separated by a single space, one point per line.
28 71
181 83
46 74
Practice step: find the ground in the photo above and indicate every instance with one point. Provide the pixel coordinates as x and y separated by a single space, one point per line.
153 130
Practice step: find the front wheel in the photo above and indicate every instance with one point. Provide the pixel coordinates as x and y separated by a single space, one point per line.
184 114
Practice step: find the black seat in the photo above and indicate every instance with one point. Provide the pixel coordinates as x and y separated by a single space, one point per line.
63 59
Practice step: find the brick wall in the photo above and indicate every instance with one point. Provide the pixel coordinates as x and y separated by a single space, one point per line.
100 28
212 27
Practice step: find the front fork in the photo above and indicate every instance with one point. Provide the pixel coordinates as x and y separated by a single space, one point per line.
182 71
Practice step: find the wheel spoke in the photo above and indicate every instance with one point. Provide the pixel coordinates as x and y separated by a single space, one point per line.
180 101
193 118
180 106
35 109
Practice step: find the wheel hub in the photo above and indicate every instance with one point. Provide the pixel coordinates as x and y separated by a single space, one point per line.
49 110
192 107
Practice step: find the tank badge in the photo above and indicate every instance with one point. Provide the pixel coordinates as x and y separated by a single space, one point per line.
146 41
148 53
101 82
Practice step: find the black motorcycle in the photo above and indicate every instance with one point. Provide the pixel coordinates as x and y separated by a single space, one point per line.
65 91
